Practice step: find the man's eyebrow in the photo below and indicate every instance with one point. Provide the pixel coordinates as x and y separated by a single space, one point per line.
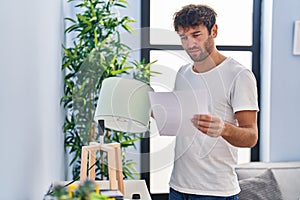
196 32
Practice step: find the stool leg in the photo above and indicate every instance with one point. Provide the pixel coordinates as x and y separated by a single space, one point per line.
119 168
119 165
111 157
92 161
83 166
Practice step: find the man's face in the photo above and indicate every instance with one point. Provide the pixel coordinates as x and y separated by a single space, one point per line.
197 42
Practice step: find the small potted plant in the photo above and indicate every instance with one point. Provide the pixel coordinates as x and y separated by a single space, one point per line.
88 190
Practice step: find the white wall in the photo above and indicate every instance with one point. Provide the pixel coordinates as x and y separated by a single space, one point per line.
280 78
31 149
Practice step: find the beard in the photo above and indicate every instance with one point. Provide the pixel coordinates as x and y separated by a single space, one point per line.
201 53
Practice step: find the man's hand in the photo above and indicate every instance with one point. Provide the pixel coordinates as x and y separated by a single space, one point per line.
210 125
245 134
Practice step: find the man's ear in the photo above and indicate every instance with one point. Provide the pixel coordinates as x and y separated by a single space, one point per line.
214 31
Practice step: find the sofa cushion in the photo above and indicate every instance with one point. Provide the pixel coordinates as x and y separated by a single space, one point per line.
261 187
287 175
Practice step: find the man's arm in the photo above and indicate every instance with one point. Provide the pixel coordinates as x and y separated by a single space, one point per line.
243 135
246 133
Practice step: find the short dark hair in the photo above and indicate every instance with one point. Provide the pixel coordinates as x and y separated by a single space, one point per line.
194 15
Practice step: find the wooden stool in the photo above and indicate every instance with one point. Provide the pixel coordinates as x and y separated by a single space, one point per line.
114 158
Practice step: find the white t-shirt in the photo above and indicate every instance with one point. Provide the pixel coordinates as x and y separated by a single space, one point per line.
204 165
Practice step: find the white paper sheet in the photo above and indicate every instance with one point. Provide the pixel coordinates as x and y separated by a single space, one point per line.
173 111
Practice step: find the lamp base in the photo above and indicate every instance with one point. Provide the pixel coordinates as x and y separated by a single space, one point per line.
114 164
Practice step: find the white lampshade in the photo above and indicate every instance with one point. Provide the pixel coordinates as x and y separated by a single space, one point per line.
124 105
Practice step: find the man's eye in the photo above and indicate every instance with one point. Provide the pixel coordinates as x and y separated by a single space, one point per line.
183 38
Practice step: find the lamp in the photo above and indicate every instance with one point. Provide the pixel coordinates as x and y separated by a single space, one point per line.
123 105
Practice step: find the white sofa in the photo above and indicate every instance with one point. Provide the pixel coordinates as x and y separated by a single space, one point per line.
255 178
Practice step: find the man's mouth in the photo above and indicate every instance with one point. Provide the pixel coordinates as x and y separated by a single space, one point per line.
192 51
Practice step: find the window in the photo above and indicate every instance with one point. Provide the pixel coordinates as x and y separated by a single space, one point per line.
238 37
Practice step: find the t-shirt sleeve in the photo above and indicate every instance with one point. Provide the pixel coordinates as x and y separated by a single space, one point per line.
244 92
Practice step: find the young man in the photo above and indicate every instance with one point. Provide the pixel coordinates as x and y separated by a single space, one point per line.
204 164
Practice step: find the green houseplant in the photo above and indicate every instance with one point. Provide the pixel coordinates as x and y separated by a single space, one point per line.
88 190
97 53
